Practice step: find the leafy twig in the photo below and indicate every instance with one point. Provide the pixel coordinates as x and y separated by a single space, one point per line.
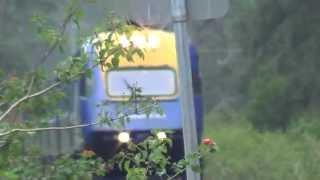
39 93
42 60
31 84
47 129
60 128
52 47
57 41
27 97
176 174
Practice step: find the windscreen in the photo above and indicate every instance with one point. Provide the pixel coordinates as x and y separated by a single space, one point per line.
153 82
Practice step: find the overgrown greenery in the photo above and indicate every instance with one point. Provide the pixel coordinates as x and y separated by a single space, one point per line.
261 86
262 58
29 100
246 153
260 67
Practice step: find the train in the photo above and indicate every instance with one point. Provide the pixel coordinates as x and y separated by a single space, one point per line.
157 75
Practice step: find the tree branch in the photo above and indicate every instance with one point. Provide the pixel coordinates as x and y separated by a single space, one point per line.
27 97
42 60
31 84
47 129
57 41
177 174
63 127
39 93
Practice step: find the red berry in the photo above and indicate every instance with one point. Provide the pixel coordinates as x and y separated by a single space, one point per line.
208 141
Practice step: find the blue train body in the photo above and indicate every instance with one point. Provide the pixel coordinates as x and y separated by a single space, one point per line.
93 91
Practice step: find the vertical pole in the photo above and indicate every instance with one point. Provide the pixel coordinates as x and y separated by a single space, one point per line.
74 118
179 14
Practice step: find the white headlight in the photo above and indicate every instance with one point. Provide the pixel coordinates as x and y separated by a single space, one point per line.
124 137
161 135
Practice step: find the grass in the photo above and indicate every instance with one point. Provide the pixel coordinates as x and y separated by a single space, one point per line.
247 154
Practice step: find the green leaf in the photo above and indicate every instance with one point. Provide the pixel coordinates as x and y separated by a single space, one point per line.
140 53
126 165
115 62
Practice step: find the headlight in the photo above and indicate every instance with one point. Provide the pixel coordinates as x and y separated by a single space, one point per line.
161 135
124 137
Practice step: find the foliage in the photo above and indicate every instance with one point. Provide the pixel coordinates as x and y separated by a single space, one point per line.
249 154
31 166
15 56
289 54
149 158
267 109
33 97
263 59
307 124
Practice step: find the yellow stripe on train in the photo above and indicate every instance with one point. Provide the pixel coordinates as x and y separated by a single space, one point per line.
159 48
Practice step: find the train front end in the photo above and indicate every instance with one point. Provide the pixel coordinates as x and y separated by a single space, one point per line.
157 77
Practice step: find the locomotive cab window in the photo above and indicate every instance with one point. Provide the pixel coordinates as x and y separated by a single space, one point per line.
161 83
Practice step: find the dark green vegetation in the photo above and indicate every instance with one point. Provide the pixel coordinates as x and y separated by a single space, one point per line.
263 59
261 81
247 154
21 49
32 94
261 67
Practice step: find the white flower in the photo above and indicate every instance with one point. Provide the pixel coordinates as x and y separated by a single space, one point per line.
138 41
123 41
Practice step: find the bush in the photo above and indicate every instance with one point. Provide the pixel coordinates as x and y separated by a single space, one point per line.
308 124
247 154
270 106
